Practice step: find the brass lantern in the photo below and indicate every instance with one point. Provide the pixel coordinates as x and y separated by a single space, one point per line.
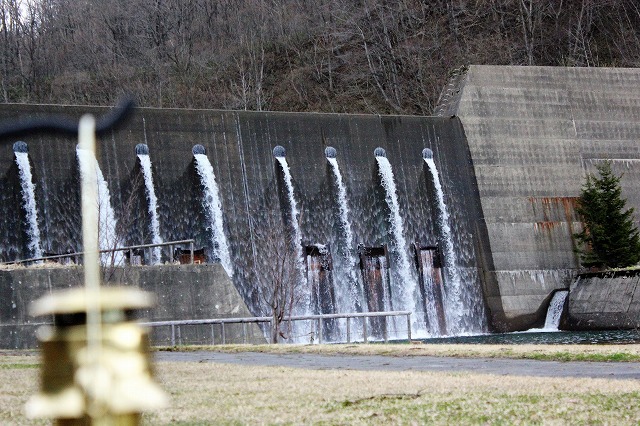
109 384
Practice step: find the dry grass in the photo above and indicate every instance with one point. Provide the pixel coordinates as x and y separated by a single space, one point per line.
542 352
212 394
18 381
209 393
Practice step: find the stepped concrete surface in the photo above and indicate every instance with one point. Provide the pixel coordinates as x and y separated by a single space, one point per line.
533 134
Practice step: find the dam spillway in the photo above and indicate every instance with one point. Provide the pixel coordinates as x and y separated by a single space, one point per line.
512 145
239 146
21 152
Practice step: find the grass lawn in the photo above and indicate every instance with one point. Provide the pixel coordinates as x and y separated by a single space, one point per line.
210 393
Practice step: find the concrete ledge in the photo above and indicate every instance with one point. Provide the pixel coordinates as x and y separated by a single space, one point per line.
604 300
182 291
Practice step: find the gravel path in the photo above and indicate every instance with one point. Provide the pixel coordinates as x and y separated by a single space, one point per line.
507 367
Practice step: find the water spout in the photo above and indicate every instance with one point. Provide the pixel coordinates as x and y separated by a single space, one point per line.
107 223
34 245
405 281
142 150
458 301
213 208
294 214
347 282
554 313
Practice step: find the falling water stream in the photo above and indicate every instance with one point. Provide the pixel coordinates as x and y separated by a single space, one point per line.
554 314
107 224
279 153
552 321
453 305
143 154
433 296
347 283
299 331
407 286
28 199
213 208
460 298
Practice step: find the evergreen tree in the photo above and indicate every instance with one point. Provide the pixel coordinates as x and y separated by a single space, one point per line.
609 238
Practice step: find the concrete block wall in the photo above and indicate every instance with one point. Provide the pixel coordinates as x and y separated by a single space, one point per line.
533 134
182 292
604 301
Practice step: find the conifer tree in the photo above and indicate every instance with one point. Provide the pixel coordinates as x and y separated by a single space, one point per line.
610 238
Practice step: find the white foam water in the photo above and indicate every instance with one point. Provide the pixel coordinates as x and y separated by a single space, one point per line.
347 283
407 286
145 162
213 210
294 216
299 332
107 223
431 304
29 204
453 305
552 321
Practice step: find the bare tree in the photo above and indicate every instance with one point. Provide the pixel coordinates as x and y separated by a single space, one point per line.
371 56
278 277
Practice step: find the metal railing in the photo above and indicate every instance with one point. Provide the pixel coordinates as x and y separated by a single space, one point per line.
176 332
130 249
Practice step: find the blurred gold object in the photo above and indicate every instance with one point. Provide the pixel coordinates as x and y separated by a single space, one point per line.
79 387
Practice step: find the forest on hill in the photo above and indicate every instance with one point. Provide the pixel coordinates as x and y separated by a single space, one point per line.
369 56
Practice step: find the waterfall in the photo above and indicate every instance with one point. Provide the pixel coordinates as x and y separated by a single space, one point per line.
552 322
143 154
432 283
459 300
347 280
279 153
454 309
107 224
407 284
213 208
28 199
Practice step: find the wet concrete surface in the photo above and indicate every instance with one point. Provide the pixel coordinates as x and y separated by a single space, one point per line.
505 367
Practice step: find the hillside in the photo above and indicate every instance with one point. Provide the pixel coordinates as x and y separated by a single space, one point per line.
371 56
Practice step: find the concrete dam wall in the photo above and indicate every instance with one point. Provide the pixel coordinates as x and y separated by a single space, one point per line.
477 237
533 134
376 232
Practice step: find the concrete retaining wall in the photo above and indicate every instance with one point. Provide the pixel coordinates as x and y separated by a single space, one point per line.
533 133
604 301
182 291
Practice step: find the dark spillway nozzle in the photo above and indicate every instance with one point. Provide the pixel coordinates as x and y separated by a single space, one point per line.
330 152
198 149
20 147
142 149
380 152
279 151
427 154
